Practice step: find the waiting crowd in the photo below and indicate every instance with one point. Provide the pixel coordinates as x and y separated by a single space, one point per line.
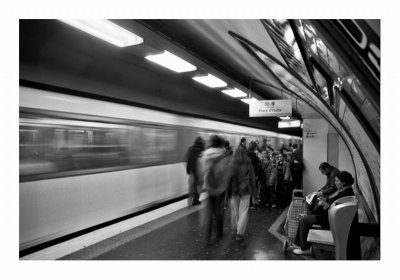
249 177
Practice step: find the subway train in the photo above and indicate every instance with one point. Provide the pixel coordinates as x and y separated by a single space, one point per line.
104 129
85 162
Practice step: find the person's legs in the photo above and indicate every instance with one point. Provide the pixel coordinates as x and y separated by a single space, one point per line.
191 187
263 194
243 214
255 194
234 212
219 214
272 195
196 193
304 227
209 219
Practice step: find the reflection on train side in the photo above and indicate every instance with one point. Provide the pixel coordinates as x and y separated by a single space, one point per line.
50 145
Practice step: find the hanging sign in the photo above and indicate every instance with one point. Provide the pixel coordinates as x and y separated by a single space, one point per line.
270 108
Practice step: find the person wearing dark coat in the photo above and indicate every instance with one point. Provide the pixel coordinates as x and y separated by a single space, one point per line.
254 193
263 146
319 214
192 156
242 144
330 186
296 166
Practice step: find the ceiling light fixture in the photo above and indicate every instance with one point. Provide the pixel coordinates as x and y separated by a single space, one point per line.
248 100
172 62
289 124
106 30
234 92
210 81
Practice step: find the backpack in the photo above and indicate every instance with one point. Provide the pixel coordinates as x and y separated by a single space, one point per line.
214 186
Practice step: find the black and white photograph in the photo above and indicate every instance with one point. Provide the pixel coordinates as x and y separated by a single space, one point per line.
199 144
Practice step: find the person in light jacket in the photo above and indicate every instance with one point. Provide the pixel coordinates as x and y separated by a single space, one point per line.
215 161
241 180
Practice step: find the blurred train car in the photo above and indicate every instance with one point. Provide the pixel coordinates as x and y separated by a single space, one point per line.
84 162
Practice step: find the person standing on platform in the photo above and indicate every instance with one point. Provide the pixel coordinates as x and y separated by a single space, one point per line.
280 175
254 194
264 146
213 166
297 166
241 181
271 176
229 151
192 156
242 144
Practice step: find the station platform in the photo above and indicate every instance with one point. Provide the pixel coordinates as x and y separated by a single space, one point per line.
173 232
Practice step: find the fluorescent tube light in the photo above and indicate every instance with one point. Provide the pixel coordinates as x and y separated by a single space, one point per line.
248 100
172 62
210 81
106 30
234 92
289 124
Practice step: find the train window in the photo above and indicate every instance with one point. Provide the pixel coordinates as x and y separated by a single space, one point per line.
57 147
157 145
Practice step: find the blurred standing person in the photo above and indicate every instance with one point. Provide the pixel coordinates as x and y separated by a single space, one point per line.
271 174
283 150
297 166
229 151
284 179
241 181
213 166
287 180
264 146
263 164
280 174
254 162
228 147
242 144
257 149
192 156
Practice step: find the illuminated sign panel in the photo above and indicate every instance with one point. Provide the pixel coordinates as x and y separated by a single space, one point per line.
270 108
289 124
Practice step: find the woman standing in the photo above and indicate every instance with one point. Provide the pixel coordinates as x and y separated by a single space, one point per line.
241 182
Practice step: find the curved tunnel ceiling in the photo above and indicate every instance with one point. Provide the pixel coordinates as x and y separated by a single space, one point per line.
54 54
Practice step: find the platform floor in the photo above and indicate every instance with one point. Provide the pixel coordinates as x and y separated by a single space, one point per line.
177 236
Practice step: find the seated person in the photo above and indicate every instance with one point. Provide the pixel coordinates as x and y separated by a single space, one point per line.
319 213
330 186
